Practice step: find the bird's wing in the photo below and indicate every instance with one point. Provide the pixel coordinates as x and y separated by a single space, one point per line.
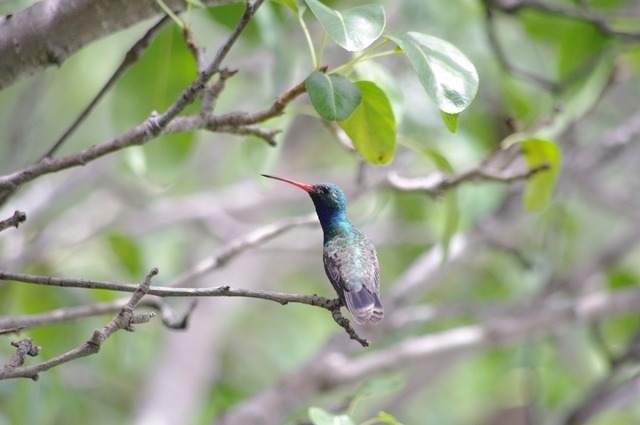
332 264
356 278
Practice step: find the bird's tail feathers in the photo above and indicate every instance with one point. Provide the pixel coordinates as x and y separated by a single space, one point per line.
364 306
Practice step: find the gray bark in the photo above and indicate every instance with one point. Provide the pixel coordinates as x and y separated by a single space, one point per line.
50 31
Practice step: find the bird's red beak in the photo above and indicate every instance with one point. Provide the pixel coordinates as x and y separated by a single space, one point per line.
305 187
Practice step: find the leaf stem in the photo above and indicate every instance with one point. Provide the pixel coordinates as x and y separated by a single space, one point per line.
170 13
307 36
366 55
321 51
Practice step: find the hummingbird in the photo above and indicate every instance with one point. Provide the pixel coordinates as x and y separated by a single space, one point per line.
349 257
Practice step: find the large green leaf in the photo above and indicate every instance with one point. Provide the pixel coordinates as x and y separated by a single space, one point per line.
352 29
447 75
372 127
540 186
333 96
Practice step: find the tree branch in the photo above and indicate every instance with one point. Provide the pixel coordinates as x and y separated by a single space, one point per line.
237 123
48 32
25 348
332 369
576 14
125 319
131 57
17 323
219 291
438 183
13 221
498 331
238 245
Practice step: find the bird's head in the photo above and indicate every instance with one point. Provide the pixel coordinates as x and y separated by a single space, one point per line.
327 198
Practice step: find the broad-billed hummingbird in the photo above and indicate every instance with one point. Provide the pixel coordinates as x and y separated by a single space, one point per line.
350 259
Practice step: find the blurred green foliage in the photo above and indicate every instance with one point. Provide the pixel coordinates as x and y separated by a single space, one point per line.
176 200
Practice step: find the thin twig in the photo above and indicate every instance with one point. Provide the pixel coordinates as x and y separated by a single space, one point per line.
211 94
332 369
547 84
132 56
13 221
437 183
243 118
605 393
11 324
346 325
11 330
125 319
513 7
151 128
238 245
576 14
24 348
190 94
253 130
216 291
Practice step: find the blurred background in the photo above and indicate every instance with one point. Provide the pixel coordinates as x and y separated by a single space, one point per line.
565 71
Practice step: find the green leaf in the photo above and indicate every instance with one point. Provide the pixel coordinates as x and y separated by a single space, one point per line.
540 186
352 29
333 96
447 75
387 418
451 121
372 127
289 4
127 252
321 417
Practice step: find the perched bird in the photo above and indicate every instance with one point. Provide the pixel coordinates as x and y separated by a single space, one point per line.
350 259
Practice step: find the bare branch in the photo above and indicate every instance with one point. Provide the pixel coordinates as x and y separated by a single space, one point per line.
495 332
13 221
25 348
438 183
143 133
125 319
190 94
10 330
216 291
346 325
236 246
244 119
220 291
169 318
132 56
618 387
210 94
332 369
500 54
153 126
577 14
47 33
